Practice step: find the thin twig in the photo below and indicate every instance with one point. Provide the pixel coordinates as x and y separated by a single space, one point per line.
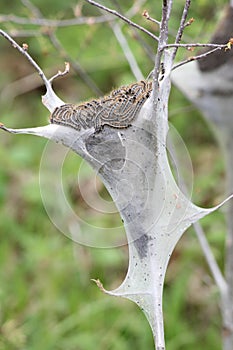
60 73
188 46
213 266
55 23
23 51
58 46
125 19
194 58
50 99
182 25
25 54
189 22
15 33
147 16
34 10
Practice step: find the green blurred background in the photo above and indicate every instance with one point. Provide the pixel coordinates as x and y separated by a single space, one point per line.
47 298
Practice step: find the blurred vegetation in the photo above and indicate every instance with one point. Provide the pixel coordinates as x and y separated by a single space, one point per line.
47 299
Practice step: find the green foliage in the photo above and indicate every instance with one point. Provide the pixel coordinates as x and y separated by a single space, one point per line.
47 299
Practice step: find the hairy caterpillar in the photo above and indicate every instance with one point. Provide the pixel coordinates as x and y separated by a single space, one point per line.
116 110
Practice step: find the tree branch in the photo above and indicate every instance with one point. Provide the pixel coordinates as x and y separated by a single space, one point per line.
34 10
182 25
25 54
50 99
55 23
194 58
58 46
60 73
163 39
149 18
125 19
187 46
213 266
26 33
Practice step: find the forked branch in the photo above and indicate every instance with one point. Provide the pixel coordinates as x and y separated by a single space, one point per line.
50 99
195 58
60 73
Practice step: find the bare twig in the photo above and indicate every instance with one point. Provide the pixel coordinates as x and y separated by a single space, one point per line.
125 19
188 46
189 22
55 23
50 100
182 25
60 73
221 282
34 10
26 54
213 266
147 16
194 58
215 47
26 33
58 46
163 39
